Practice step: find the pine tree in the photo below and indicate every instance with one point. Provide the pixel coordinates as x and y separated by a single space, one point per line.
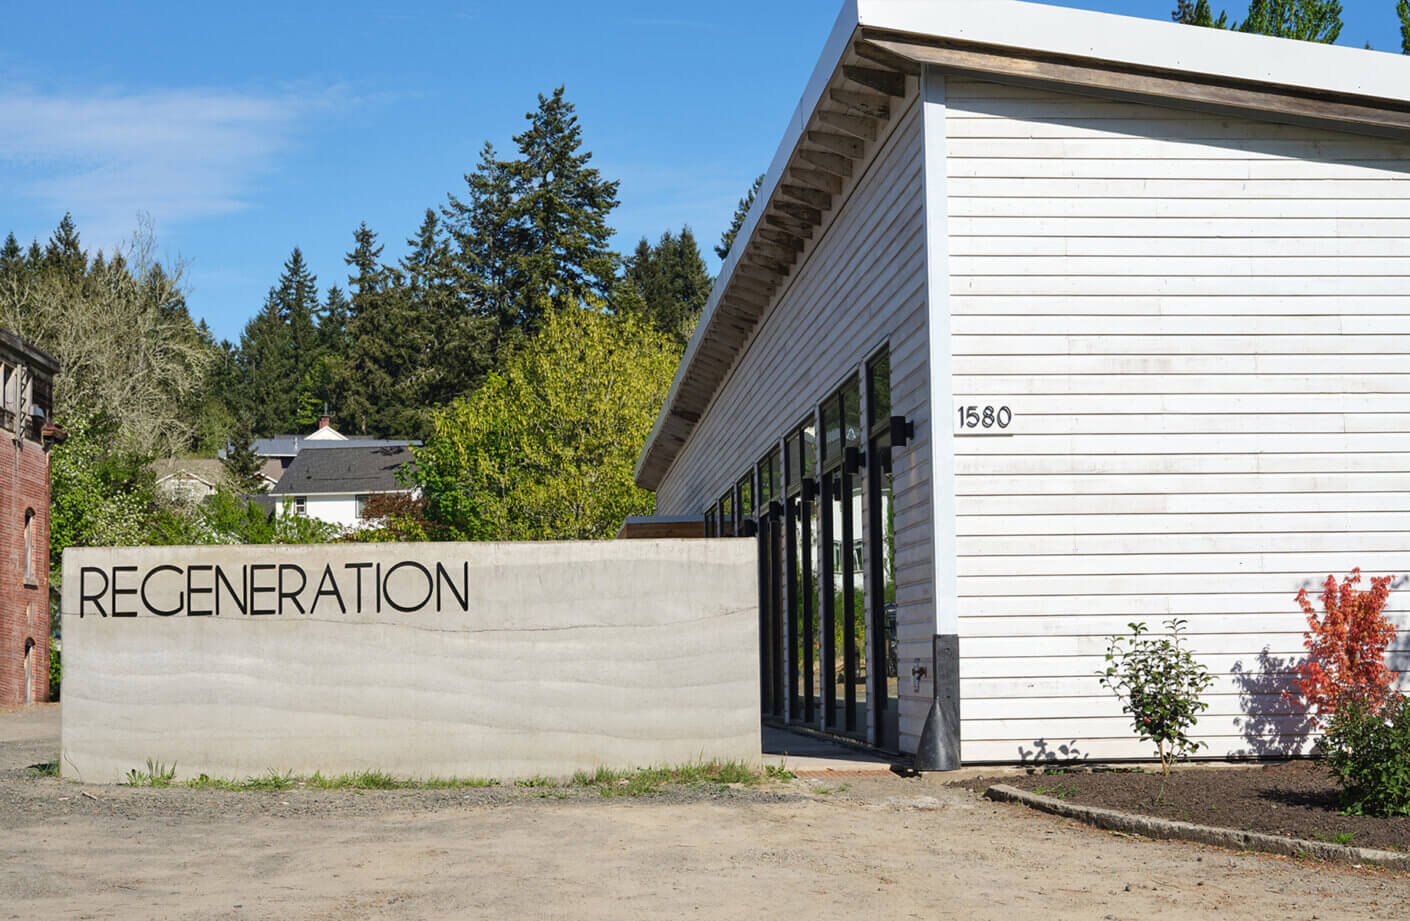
532 232
64 254
267 403
563 209
242 465
1306 20
487 235
1402 9
673 283
455 346
1198 13
741 211
333 323
12 257
298 301
375 359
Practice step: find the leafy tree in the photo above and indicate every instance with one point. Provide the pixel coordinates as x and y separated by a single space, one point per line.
673 283
545 449
1346 645
741 211
1198 13
226 518
127 347
101 495
1402 9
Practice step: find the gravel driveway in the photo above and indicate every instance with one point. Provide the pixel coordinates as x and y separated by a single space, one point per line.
817 849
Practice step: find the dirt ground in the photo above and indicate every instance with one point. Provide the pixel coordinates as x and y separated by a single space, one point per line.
1297 799
873 847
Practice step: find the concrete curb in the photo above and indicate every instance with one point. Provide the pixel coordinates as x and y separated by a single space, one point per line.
1149 827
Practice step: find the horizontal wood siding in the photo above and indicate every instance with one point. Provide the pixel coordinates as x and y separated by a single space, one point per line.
1201 325
859 286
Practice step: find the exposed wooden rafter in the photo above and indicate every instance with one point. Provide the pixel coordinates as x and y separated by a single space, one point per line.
816 179
774 235
868 104
851 148
827 161
806 214
855 125
888 82
818 199
789 225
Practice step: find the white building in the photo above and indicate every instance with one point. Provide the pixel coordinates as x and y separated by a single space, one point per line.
335 483
1065 320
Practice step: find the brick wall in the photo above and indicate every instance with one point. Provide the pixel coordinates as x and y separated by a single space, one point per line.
24 604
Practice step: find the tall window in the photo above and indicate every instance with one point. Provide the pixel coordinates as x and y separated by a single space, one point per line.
29 574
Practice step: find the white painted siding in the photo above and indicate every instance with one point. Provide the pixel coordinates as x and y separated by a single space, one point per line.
1201 324
860 285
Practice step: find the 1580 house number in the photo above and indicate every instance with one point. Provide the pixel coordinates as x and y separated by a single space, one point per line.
983 420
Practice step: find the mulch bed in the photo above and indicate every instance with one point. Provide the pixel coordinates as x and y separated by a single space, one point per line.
1296 798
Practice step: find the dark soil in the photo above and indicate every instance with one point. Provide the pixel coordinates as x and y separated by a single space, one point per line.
1296 798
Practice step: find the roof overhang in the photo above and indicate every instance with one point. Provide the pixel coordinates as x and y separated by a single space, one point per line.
868 65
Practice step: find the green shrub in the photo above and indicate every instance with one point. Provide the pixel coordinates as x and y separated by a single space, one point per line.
1368 751
56 671
1159 684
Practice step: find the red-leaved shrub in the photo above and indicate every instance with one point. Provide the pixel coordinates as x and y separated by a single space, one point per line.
1346 645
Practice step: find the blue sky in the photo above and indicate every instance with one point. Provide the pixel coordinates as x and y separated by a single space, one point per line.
243 134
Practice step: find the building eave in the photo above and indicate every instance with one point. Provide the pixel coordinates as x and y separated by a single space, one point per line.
871 55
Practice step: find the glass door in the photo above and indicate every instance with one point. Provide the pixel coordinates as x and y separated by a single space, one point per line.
844 627
881 556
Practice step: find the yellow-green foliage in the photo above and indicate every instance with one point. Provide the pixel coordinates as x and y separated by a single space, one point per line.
545 449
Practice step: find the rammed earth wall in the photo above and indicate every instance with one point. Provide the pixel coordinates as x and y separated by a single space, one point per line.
483 660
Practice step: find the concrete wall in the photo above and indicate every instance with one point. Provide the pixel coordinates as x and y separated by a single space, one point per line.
562 657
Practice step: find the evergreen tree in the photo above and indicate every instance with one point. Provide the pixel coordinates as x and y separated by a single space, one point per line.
563 210
298 301
532 233
488 237
673 283
455 347
64 254
1198 13
741 211
333 323
377 345
267 401
242 465
12 257
1307 20
1402 9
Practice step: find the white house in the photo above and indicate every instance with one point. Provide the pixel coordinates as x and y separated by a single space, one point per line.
1045 321
335 483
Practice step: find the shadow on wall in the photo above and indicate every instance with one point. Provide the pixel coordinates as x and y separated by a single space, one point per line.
1275 726
1045 753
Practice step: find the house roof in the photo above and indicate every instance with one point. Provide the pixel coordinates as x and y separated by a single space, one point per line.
345 469
870 65
208 470
291 445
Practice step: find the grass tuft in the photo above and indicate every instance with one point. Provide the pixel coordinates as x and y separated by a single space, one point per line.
47 769
156 775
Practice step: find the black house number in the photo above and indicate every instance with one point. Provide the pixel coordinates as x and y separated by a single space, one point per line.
984 417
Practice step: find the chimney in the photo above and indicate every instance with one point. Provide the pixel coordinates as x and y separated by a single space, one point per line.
325 420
